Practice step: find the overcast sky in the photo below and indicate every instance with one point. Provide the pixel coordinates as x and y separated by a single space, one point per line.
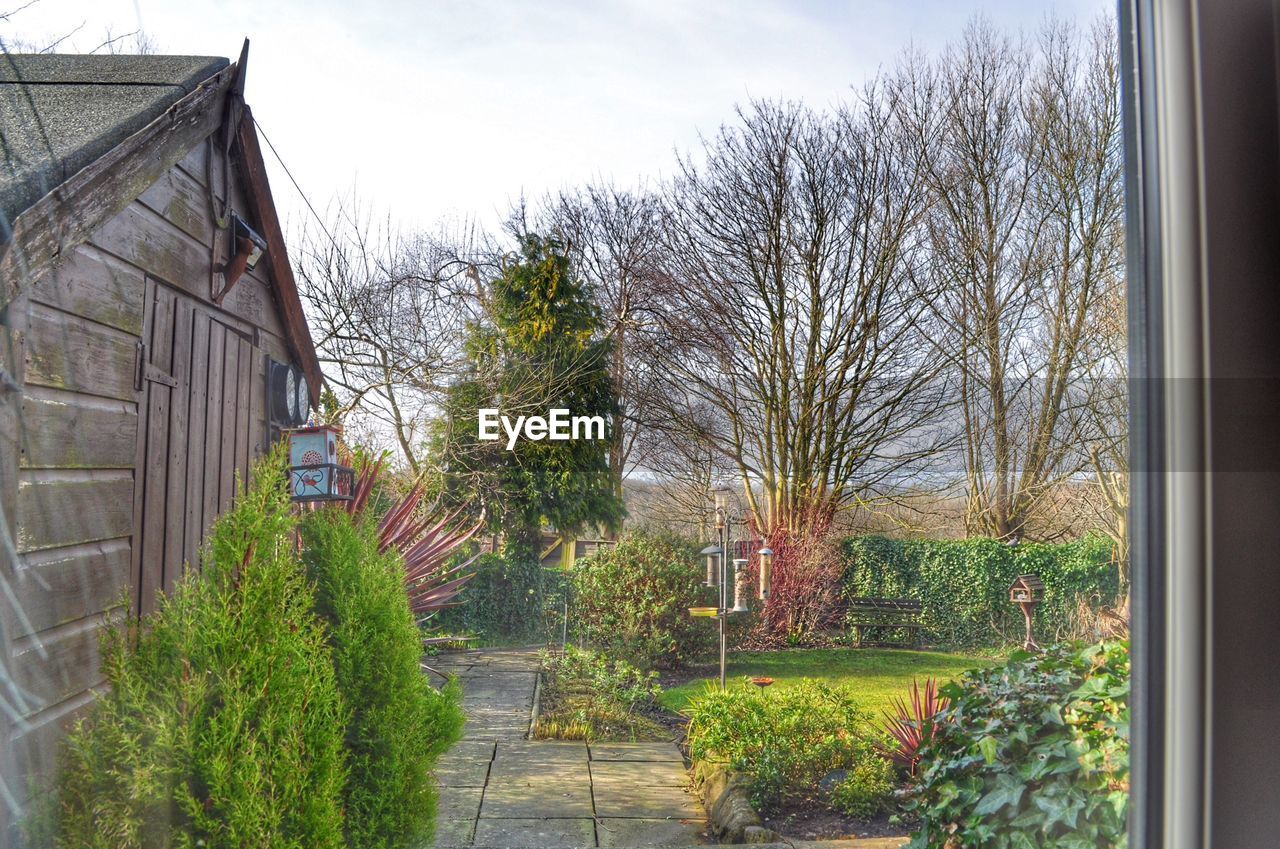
445 109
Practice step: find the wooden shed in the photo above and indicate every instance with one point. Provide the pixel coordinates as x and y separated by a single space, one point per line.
133 383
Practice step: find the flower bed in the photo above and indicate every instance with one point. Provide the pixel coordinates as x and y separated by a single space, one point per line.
805 744
587 696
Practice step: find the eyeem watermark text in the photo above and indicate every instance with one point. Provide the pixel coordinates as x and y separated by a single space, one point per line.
556 425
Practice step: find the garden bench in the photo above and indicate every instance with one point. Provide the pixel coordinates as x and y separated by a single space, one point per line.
886 614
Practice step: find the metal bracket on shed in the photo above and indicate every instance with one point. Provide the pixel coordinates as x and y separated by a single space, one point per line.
147 373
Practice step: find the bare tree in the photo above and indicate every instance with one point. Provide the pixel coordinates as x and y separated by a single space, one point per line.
388 314
1100 425
135 42
797 312
1101 420
1026 231
680 445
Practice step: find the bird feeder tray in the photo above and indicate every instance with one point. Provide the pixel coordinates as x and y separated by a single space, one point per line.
1026 589
709 612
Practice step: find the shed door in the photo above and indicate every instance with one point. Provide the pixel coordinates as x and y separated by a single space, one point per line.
200 384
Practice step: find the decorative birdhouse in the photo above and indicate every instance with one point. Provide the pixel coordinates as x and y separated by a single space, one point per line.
314 472
1026 592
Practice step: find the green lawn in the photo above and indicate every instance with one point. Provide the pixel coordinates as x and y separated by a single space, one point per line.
877 675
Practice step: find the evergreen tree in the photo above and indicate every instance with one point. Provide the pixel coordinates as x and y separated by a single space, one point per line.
538 348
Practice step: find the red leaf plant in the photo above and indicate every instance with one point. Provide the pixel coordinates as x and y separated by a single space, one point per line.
426 543
911 726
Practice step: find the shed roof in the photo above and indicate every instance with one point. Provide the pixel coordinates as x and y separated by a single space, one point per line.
59 113
72 127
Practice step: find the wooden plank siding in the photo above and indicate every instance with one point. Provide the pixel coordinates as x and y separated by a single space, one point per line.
70 583
108 488
69 430
61 508
70 352
146 239
11 619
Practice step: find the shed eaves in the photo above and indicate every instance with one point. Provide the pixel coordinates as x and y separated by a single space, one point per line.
59 113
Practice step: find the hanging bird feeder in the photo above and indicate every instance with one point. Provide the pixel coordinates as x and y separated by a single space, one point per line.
741 586
712 553
766 572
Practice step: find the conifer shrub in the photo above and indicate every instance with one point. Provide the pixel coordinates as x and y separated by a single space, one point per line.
222 723
398 723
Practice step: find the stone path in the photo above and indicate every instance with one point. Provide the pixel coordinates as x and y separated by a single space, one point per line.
499 789
497 690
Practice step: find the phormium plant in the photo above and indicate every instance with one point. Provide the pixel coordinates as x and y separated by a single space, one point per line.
911 725
426 542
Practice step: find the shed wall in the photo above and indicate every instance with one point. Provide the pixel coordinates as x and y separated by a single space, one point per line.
117 478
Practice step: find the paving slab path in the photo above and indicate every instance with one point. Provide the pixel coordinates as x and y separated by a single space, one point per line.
498 788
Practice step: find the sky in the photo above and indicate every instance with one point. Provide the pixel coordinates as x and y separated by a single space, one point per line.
438 111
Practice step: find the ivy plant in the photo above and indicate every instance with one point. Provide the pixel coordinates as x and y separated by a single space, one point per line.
1030 755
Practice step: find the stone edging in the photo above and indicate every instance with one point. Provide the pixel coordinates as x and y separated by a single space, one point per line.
536 708
728 806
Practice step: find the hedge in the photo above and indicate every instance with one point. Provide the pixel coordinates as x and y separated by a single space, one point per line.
511 600
964 584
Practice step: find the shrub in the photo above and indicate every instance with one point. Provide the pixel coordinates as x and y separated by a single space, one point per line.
632 600
1031 754
590 697
398 723
964 584
222 725
786 741
805 595
865 790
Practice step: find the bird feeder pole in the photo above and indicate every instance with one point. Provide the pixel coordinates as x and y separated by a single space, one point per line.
719 556
723 531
